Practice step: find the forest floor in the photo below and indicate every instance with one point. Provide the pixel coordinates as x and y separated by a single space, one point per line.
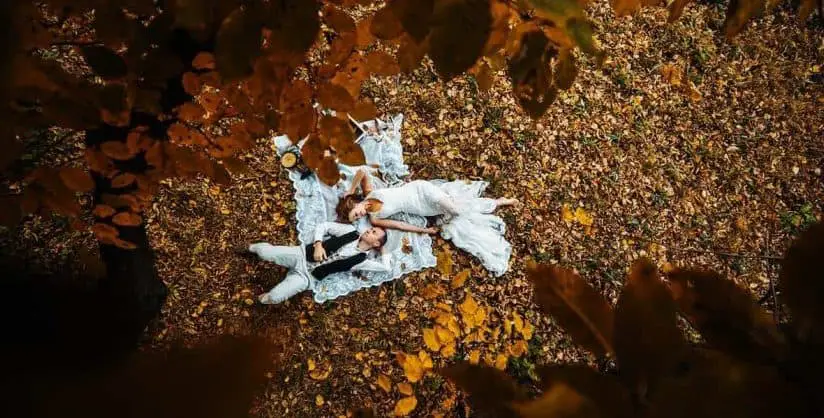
628 163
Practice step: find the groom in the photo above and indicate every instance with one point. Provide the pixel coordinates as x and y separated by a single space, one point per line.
337 248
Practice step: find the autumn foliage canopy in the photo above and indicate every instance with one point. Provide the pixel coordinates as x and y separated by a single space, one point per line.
179 88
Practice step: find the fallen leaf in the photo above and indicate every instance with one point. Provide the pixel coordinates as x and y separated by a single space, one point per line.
519 348
474 356
402 315
384 383
412 367
583 217
319 400
431 340
460 278
405 388
405 406
444 335
444 262
500 362
426 360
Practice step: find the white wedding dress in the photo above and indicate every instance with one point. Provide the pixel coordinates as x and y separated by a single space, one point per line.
467 219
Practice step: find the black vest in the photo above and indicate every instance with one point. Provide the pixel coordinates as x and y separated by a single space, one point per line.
331 246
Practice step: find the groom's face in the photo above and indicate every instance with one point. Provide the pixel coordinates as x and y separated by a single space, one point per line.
374 237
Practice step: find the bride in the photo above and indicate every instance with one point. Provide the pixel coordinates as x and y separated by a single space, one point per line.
467 218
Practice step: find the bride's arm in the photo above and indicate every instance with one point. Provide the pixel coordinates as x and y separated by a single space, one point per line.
402 226
361 180
366 185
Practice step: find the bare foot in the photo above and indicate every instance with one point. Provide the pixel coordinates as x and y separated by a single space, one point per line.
504 201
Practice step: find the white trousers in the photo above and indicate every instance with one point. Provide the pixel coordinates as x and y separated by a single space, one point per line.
289 257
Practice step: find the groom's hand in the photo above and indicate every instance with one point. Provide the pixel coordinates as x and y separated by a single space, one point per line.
320 253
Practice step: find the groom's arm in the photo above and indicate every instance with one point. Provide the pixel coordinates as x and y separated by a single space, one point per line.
331 229
382 264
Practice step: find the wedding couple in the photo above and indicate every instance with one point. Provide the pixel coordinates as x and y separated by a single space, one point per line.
464 217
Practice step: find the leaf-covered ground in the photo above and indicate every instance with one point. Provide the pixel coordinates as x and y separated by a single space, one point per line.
682 148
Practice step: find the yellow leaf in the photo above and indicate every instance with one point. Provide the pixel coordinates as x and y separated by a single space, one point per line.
405 406
527 331
474 356
479 316
323 372
405 388
500 362
671 74
518 322
460 278
412 367
443 306
310 364
444 262
431 340
448 350
384 383
402 315
319 400
426 360
444 335
583 217
432 291
566 213
519 348
468 306
225 211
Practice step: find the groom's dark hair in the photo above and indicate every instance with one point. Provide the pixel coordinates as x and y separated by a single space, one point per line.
346 205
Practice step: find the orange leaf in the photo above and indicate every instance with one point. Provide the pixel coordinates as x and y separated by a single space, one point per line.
405 389
190 112
363 34
328 171
192 84
76 179
625 7
459 32
204 61
333 96
405 406
105 231
576 306
123 180
364 110
648 342
384 383
460 278
381 63
127 219
726 315
385 25
492 389
116 150
103 211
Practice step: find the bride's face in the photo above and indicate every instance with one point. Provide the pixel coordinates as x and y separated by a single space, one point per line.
357 212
